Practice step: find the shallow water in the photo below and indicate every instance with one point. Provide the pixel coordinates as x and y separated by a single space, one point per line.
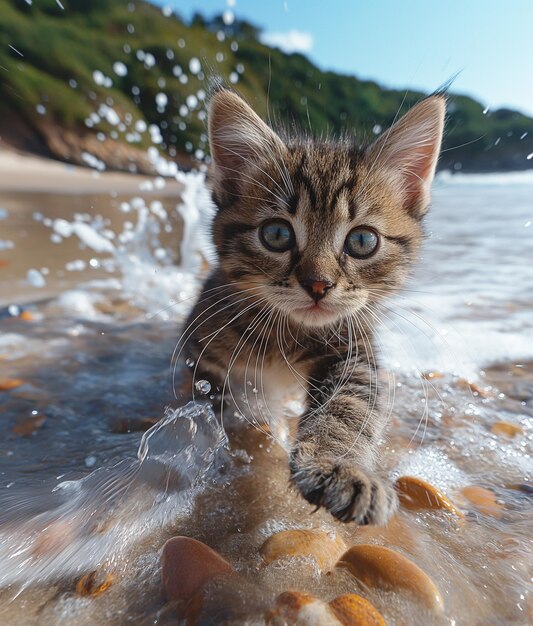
93 354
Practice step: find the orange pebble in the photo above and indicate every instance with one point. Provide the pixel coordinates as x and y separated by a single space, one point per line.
6 384
506 428
353 610
295 608
26 316
432 375
377 566
324 547
416 494
187 565
29 426
484 500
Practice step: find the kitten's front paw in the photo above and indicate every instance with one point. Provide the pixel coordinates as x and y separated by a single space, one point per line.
347 492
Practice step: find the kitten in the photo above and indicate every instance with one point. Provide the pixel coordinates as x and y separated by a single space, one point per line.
311 236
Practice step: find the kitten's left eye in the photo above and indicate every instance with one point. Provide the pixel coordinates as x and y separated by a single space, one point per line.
361 243
277 236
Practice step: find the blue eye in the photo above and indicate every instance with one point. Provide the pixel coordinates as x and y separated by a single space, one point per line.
277 236
361 243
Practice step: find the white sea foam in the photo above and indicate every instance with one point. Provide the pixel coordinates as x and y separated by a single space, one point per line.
469 302
49 534
467 305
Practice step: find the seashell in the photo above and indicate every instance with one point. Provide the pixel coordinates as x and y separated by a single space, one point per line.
187 565
377 566
353 610
506 428
324 547
6 384
484 500
416 494
88 585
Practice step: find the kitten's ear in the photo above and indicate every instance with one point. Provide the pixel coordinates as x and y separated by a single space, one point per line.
411 149
238 138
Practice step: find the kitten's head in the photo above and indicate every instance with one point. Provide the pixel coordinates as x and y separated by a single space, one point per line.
319 230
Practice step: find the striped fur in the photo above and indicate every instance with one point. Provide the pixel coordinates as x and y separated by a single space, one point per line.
254 322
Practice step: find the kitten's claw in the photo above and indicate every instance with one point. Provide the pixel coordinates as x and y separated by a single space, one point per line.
345 491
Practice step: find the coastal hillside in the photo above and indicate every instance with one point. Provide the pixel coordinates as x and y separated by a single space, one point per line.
100 82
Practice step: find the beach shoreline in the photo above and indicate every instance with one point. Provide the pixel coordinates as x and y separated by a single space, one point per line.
24 172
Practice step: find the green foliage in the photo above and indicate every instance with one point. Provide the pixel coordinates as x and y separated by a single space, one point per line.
63 45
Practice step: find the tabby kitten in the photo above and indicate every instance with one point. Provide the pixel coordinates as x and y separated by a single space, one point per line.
311 236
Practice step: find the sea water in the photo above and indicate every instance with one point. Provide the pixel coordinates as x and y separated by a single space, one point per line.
95 363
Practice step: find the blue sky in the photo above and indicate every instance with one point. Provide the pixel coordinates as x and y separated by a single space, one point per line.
404 43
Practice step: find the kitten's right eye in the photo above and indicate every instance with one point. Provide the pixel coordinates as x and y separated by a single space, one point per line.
277 236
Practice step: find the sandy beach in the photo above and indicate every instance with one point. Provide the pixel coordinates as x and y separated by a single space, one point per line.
20 172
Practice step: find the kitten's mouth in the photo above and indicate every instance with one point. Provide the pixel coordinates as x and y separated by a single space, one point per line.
316 314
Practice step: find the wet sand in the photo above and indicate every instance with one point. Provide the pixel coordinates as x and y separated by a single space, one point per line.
478 562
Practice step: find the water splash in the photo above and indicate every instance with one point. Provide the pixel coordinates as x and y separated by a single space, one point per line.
139 255
79 524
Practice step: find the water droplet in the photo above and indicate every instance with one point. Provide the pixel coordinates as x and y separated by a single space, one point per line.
189 362
228 17
194 65
203 386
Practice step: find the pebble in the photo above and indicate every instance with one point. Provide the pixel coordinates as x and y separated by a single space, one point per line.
351 609
322 546
26 316
187 565
506 428
301 609
296 608
10 383
523 487
31 425
415 494
473 387
432 375
484 500
399 532
377 566
54 538
89 585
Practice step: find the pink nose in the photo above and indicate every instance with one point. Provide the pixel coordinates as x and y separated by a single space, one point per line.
317 288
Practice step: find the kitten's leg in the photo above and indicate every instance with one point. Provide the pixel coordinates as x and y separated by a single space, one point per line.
334 458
